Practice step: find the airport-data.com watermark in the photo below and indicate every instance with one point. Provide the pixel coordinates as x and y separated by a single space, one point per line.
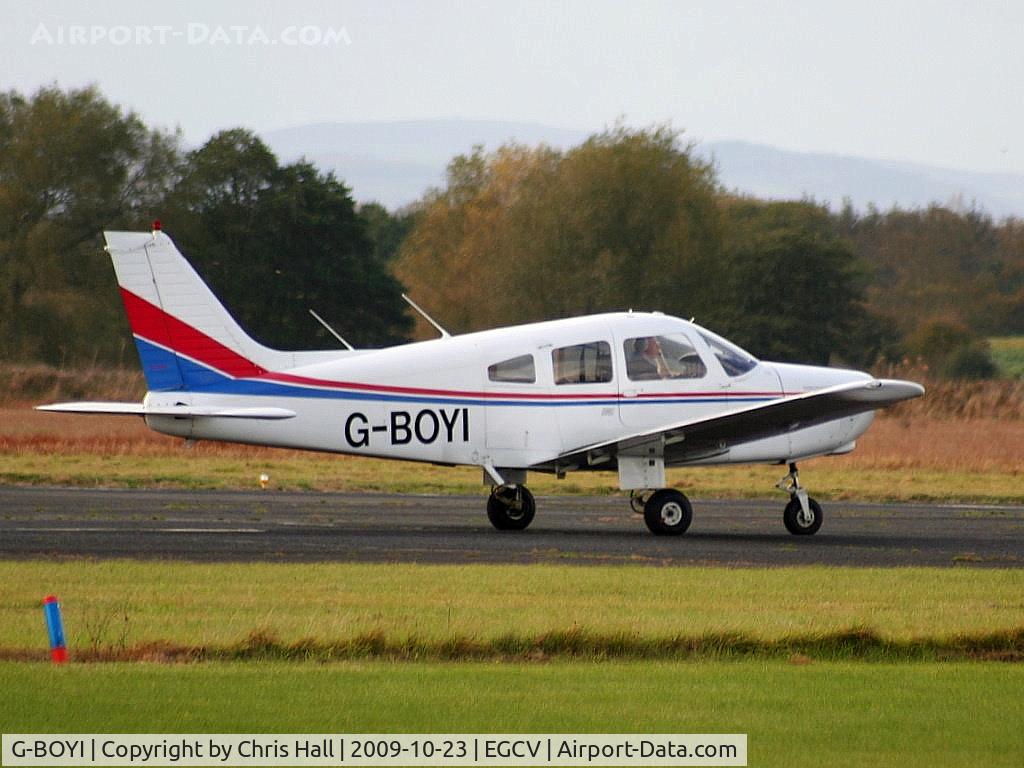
193 33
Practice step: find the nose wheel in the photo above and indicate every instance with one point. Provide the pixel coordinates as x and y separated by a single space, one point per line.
800 522
803 515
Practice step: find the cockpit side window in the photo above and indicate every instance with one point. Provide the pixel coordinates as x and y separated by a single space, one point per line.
670 356
515 370
589 363
734 360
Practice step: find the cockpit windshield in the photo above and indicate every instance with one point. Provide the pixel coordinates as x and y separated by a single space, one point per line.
734 360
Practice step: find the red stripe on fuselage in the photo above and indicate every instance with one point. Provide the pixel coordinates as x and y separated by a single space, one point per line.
287 378
154 324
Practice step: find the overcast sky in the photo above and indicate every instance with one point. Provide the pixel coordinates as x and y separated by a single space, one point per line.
935 82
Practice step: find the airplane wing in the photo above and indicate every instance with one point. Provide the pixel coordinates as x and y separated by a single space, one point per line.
180 411
700 438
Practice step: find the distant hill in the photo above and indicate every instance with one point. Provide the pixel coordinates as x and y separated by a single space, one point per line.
395 162
780 174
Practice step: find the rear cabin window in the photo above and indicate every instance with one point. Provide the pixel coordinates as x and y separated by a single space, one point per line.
515 370
589 363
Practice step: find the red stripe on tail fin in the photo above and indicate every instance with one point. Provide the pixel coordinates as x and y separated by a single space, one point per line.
155 325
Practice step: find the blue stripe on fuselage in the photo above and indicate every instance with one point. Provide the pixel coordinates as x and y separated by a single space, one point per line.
200 378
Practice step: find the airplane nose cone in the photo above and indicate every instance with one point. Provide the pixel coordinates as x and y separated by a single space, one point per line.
796 379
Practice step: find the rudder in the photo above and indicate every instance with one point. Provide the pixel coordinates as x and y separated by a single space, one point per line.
185 336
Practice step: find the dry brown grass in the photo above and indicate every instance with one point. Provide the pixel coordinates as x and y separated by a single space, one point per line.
969 445
23 430
38 383
963 441
26 430
1001 399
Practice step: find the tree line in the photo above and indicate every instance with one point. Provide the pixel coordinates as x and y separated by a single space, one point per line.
273 240
630 218
635 219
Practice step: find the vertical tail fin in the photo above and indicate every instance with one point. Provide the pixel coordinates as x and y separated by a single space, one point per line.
185 336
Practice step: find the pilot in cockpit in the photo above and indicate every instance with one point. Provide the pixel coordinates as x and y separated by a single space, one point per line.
647 361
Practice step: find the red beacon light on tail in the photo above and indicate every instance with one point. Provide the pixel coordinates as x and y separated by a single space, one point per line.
156 226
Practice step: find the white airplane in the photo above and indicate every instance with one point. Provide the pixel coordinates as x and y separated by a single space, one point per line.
632 392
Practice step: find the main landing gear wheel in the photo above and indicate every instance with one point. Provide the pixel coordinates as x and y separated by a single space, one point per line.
801 523
511 507
668 512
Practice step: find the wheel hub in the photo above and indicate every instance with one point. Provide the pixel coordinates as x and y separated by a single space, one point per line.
513 503
514 510
671 513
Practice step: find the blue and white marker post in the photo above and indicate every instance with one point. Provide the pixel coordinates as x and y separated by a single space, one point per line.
58 648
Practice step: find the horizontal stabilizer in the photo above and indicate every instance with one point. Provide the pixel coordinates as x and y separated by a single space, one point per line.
180 411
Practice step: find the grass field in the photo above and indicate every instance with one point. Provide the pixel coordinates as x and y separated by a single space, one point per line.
794 714
113 605
1008 355
962 441
798 708
820 666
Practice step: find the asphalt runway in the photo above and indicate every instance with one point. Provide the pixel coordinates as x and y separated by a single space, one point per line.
307 527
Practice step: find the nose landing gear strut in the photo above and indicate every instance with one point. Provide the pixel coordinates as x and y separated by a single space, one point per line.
803 515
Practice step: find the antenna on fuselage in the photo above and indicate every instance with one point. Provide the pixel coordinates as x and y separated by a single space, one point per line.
333 332
428 318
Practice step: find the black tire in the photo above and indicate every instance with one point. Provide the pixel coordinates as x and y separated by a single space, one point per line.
511 508
668 513
791 517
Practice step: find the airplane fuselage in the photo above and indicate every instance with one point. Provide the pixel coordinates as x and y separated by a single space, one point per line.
451 401
632 392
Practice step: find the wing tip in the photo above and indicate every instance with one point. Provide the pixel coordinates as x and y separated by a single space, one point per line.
900 388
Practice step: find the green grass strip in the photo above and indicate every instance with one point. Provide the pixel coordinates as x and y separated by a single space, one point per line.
824 714
125 603
576 644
